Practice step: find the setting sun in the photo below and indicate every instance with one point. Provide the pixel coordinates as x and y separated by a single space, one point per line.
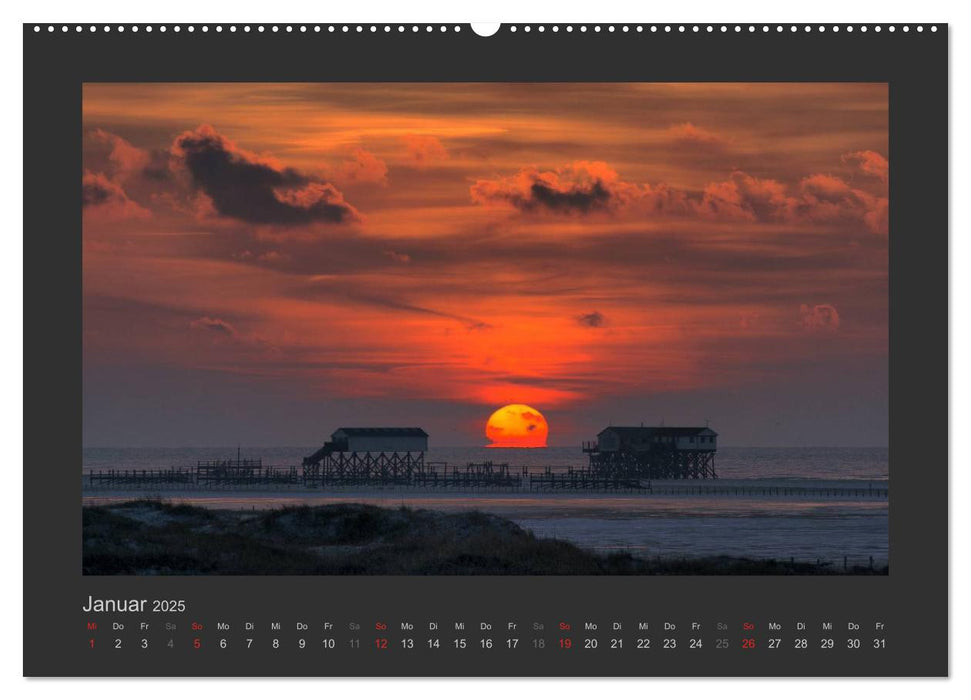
517 425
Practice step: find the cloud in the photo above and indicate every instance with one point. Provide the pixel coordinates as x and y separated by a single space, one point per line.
342 292
124 158
582 187
877 218
588 187
107 199
687 134
828 199
402 258
594 319
97 189
817 199
746 198
581 198
869 162
423 149
216 325
244 186
362 167
819 318
138 169
532 418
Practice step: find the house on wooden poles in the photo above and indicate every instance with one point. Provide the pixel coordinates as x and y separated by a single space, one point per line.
655 452
361 455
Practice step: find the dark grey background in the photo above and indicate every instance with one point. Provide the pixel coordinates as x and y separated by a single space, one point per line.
912 600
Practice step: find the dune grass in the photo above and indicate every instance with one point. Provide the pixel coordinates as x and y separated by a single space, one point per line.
155 537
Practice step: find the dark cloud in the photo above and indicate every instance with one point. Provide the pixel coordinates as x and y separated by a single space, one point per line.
96 189
216 325
580 188
530 416
107 199
594 319
582 198
244 187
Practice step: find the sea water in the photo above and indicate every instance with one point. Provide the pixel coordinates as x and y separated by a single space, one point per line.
805 528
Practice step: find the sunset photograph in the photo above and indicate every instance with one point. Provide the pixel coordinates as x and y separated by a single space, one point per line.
485 328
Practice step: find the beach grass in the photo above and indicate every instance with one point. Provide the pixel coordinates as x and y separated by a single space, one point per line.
154 537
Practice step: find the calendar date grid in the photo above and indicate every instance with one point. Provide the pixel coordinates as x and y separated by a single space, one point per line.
382 637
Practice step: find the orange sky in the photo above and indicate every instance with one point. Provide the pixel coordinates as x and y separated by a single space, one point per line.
324 254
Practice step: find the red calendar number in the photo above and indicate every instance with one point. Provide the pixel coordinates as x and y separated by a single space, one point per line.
566 643
748 643
381 642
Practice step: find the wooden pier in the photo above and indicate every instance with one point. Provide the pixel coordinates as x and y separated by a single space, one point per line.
125 478
487 477
653 452
583 480
247 474
226 474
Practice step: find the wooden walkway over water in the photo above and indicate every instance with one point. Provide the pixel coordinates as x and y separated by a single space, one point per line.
485 478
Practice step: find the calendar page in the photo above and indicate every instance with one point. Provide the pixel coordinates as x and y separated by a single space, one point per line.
402 350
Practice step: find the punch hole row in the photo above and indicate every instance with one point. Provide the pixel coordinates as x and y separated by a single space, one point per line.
428 28
720 28
272 28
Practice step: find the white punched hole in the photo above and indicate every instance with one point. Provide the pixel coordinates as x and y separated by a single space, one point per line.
485 28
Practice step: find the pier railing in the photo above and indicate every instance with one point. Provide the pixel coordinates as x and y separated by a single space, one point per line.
469 477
